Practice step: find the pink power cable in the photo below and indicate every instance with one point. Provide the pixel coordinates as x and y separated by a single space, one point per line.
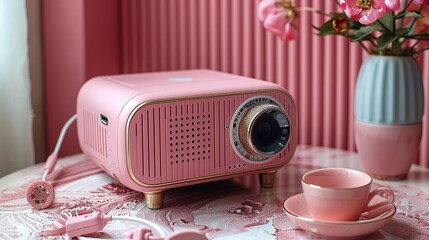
96 221
40 193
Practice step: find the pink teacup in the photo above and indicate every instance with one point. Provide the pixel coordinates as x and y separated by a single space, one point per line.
340 194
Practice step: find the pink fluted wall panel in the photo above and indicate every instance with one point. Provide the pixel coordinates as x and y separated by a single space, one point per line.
80 42
226 35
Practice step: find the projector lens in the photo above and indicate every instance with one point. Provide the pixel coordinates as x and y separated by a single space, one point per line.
264 130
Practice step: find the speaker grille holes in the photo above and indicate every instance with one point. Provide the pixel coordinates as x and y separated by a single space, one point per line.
190 138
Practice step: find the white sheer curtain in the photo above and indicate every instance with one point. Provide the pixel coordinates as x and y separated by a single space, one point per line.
16 131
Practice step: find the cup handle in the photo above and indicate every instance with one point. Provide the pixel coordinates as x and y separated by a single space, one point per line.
384 192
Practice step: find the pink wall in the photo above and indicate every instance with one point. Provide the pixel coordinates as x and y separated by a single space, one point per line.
225 35
80 42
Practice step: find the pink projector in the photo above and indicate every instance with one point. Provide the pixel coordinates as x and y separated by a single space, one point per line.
155 131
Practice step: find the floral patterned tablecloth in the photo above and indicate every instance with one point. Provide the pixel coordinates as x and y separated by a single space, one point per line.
230 209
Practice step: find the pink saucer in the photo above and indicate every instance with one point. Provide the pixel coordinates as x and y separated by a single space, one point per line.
296 209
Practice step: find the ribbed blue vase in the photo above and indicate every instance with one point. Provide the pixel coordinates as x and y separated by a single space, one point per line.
389 105
389 91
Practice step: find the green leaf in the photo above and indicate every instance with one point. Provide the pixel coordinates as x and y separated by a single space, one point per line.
414 15
404 14
338 15
385 39
363 32
420 36
356 25
327 28
401 32
386 20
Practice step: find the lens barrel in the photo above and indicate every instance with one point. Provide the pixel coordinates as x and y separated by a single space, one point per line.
264 130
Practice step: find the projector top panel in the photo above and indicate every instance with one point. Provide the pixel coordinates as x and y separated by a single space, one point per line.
194 80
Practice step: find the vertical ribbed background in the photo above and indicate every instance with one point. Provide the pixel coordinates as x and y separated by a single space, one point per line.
226 35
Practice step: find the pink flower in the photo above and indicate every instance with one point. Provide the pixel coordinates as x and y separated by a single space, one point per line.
278 17
393 5
421 2
265 7
368 11
416 4
341 25
290 32
400 32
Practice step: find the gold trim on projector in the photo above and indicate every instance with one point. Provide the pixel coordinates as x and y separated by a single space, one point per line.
127 137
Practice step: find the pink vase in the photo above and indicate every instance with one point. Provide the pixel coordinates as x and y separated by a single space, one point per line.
389 106
387 151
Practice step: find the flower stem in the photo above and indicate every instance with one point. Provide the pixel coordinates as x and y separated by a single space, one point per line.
422 50
396 45
384 26
415 44
363 46
373 41
310 9
408 4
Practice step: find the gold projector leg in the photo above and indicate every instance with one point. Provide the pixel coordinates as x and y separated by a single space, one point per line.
155 199
267 179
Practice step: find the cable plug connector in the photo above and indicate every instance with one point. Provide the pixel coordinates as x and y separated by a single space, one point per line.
86 224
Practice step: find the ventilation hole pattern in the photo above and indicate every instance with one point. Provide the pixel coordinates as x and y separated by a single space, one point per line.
190 139
95 135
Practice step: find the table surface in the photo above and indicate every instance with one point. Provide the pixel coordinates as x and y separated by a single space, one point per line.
230 209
